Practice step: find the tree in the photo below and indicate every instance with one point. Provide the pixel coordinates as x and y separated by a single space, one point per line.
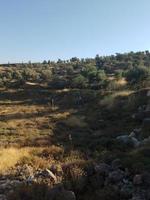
74 59
44 62
99 61
118 74
101 76
137 74
88 69
79 82
46 74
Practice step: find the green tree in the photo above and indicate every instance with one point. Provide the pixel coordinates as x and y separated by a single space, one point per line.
137 74
101 76
80 82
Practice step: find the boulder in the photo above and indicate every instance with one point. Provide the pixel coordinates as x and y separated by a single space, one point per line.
128 140
148 93
2 197
127 190
96 181
146 141
138 116
146 122
65 195
124 138
138 197
137 180
146 179
102 169
59 193
116 176
116 164
135 142
148 107
132 134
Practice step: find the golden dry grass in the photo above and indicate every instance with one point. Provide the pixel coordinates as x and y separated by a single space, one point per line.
121 82
37 156
9 157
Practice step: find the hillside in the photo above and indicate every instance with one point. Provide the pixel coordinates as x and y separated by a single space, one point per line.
76 129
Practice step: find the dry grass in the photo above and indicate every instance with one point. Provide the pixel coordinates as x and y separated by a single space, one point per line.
10 157
38 157
122 82
108 100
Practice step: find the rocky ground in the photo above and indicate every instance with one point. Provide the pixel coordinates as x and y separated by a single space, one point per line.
98 179
98 176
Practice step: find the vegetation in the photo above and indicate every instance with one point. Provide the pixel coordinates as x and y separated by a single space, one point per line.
68 114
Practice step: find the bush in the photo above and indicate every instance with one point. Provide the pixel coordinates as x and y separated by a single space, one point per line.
79 82
118 74
137 74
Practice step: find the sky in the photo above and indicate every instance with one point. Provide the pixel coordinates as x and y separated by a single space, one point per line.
37 30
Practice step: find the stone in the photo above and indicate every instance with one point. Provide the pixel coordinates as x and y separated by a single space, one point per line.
146 179
139 196
127 190
148 107
116 164
146 141
138 116
59 193
129 140
146 122
116 176
102 169
66 195
135 142
123 138
2 197
96 181
137 179
148 93
132 134
25 171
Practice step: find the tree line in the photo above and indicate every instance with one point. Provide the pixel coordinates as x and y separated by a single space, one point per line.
99 72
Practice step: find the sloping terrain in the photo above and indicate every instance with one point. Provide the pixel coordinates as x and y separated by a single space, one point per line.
74 134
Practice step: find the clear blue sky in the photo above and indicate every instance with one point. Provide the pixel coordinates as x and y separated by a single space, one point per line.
50 29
